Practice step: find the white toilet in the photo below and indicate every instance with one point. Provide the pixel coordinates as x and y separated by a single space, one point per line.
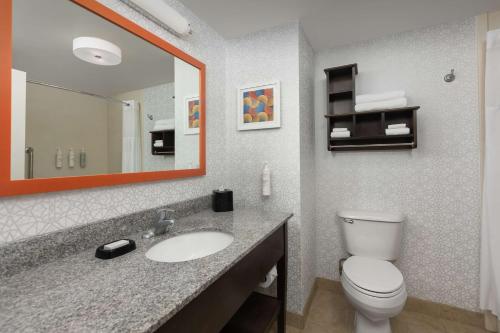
372 284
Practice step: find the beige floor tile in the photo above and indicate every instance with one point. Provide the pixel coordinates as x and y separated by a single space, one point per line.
330 308
312 327
455 327
398 325
330 298
415 322
417 305
331 313
291 329
423 328
334 286
463 316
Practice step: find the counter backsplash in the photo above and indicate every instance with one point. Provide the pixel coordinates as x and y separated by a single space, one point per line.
27 253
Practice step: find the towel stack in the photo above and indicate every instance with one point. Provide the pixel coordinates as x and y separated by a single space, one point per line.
158 143
340 133
397 129
388 100
164 124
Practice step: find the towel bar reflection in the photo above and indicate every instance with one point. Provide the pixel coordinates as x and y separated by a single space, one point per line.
77 91
29 162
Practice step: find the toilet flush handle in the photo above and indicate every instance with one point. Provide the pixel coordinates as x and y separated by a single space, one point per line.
351 221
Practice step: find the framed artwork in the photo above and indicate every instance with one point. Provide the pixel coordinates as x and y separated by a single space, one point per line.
259 106
192 115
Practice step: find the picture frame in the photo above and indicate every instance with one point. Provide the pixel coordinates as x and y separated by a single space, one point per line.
191 115
259 106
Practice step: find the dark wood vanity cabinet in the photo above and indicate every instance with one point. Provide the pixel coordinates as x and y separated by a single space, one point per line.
230 303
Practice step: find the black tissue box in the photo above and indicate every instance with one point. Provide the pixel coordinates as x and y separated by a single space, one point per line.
222 200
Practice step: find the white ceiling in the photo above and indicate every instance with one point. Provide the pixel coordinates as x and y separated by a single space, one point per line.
329 23
43 33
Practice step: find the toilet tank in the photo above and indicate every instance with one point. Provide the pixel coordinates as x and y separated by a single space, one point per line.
372 234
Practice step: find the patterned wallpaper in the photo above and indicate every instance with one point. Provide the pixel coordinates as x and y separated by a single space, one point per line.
274 56
24 216
437 186
307 166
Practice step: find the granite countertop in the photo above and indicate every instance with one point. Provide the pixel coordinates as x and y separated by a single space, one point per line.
81 293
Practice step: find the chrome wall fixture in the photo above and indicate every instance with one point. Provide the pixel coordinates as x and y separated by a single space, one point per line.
77 91
450 77
29 162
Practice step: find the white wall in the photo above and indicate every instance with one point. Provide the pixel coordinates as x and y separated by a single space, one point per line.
263 57
437 185
74 121
307 166
187 146
18 126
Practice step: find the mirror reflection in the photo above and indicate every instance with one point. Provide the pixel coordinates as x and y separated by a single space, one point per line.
90 98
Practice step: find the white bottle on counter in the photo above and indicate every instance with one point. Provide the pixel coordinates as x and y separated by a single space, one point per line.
59 158
266 180
71 158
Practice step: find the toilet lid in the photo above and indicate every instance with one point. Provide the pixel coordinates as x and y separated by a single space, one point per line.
374 275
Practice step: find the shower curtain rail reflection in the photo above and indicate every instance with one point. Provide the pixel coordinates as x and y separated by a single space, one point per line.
77 91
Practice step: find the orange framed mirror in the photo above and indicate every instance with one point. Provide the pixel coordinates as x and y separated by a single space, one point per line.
88 98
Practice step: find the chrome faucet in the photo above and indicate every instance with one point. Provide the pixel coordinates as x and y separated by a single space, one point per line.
163 224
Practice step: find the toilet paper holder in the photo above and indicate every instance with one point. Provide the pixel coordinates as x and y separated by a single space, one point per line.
269 278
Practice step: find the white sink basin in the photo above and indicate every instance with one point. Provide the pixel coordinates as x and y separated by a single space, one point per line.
189 246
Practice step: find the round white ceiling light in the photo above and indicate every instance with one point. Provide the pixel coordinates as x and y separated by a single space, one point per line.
97 51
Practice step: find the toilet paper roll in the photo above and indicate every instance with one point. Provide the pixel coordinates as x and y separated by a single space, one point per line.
269 279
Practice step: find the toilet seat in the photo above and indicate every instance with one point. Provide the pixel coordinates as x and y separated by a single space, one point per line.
369 292
373 277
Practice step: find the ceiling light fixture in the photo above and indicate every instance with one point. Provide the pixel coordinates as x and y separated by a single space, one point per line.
163 14
97 51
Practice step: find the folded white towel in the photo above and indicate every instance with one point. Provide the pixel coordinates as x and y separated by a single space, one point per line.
368 98
402 125
158 144
159 141
165 121
164 124
345 134
383 105
397 131
340 129
164 127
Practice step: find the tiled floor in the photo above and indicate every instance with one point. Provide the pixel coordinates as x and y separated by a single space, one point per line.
331 313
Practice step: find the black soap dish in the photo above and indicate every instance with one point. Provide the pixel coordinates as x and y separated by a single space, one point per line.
103 253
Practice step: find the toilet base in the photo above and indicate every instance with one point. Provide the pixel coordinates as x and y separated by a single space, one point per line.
365 325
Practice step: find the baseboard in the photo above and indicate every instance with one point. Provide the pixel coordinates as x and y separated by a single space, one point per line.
295 320
445 311
413 304
299 320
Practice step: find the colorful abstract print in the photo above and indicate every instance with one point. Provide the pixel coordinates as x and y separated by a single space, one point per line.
194 114
258 105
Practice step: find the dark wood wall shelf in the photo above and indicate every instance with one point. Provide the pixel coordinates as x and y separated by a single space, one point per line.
168 137
367 128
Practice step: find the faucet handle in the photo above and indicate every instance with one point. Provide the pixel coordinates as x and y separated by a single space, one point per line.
163 212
